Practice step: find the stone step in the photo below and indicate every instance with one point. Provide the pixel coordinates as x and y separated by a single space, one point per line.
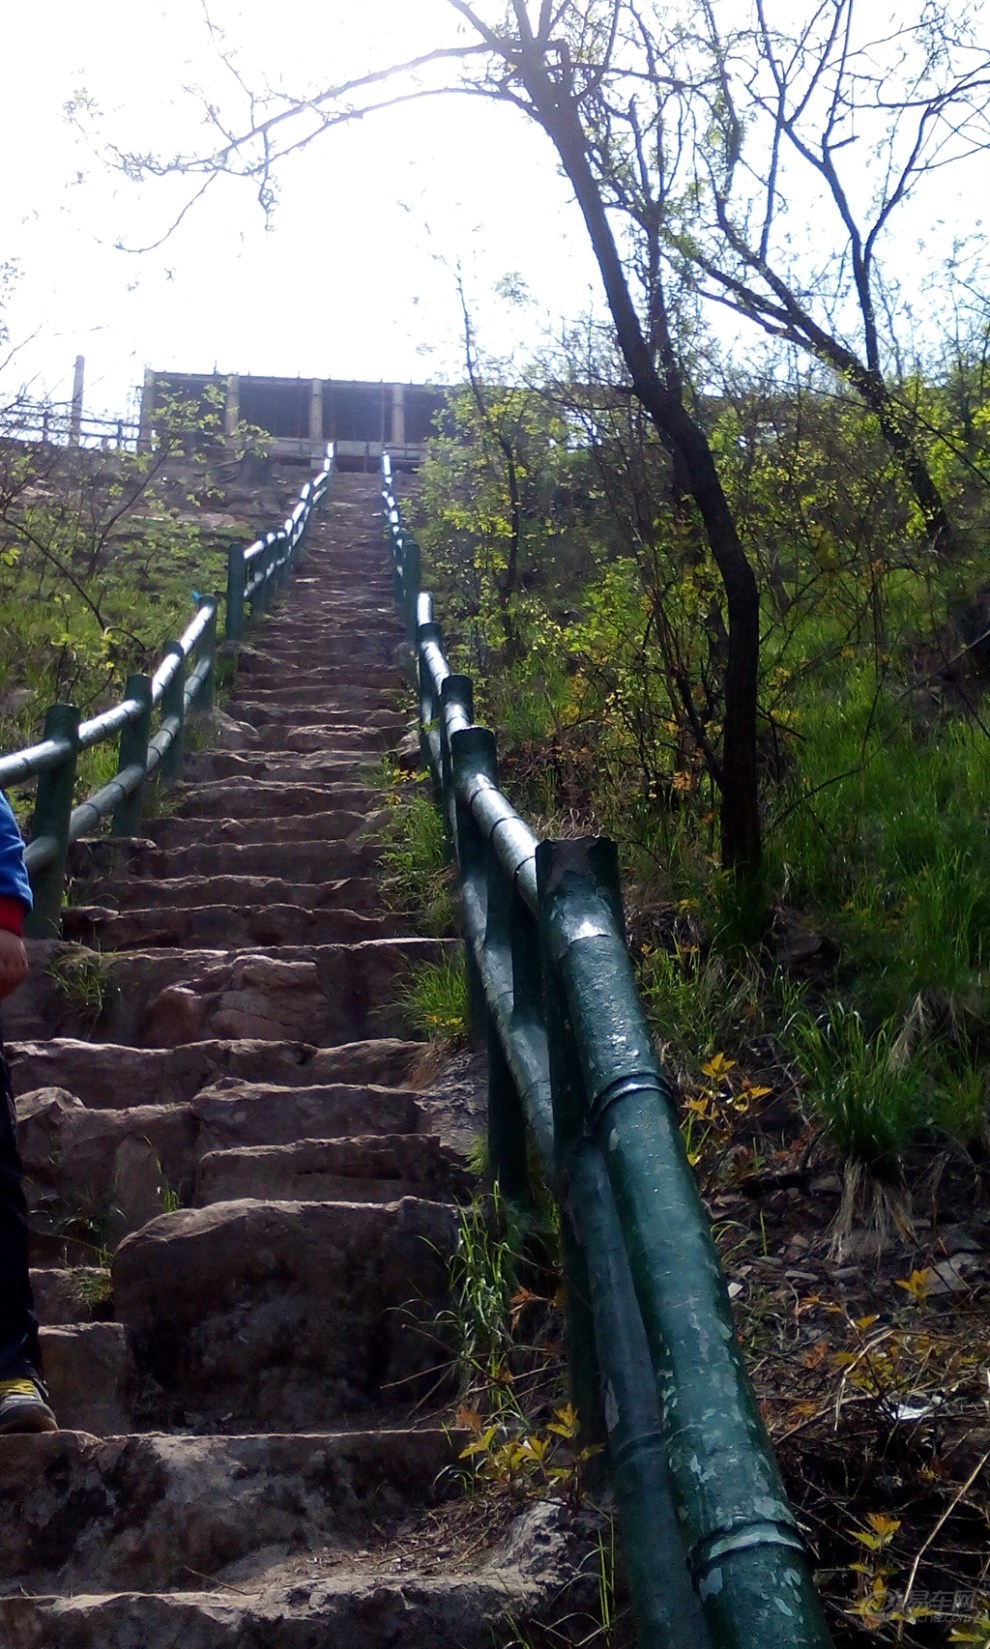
319 767
312 860
175 923
360 1607
230 799
313 712
378 1168
256 1316
71 1294
336 825
110 1170
92 1381
325 735
301 688
108 1076
261 671
258 657
152 1512
355 893
160 997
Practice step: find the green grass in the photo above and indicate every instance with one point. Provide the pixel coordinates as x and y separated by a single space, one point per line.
434 1000
413 865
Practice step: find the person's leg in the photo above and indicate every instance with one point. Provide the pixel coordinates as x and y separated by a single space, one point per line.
21 1408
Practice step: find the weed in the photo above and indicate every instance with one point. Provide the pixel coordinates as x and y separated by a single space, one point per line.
83 977
412 865
91 1288
434 1000
168 1195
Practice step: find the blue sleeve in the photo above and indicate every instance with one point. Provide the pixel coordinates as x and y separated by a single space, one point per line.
14 882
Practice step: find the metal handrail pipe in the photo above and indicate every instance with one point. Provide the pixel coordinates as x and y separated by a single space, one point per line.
102 803
109 722
436 665
749 1564
41 852
181 650
523 1040
512 840
424 608
255 549
664 1604
195 680
32 762
163 740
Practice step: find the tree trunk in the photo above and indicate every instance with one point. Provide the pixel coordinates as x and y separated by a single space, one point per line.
740 815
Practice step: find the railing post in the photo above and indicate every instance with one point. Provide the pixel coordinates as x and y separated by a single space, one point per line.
411 574
236 580
52 810
133 752
456 692
569 1124
208 650
472 751
174 704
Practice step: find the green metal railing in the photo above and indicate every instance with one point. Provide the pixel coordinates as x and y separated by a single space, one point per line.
183 681
713 1552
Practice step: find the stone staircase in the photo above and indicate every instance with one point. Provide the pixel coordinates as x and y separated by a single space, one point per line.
244 1203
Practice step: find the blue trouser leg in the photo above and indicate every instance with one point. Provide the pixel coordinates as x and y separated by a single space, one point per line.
19 1349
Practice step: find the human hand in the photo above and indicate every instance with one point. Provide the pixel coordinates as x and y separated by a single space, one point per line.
13 962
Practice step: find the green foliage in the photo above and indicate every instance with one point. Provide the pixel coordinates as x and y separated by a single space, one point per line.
605 693
100 553
434 1000
415 875
83 977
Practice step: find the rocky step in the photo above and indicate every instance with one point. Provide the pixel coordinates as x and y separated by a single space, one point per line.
92 1380
111 1170
358 645
284 1316
174 922
260 672
301 688
65 1295
308 860
106 1075
313 712
379 1168
153 1512
355 893
356 1606
414 1589
318 768
335 825
258 799
160 997
316 733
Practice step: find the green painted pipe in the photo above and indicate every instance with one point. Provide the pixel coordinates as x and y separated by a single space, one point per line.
748 1562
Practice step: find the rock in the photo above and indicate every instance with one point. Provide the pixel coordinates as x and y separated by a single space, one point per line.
267 998
408 755
157 1511
225 733
91 1378
177 1015
71 1295
285 1314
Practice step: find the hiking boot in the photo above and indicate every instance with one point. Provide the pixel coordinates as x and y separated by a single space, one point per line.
23 1407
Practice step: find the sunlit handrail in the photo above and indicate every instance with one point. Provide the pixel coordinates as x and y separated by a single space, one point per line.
713 1551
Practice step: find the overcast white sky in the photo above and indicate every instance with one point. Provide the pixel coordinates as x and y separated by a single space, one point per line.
355 278
348 284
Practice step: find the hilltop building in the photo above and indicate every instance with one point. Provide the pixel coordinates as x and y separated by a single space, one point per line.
302 414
